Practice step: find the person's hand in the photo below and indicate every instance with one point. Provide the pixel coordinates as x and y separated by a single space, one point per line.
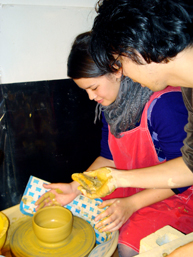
97 183
118 212
183 251
59 194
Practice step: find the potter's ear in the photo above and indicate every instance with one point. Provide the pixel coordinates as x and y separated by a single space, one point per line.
119 73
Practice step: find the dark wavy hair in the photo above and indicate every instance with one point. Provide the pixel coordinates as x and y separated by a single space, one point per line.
157 29
80 63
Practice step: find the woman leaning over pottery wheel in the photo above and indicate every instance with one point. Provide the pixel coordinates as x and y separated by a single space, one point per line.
140 129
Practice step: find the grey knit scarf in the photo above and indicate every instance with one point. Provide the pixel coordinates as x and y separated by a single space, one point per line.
125 112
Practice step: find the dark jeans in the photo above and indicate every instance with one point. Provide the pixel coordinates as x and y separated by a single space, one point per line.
126 251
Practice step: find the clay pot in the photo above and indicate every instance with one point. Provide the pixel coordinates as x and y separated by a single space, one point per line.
4 223
52 225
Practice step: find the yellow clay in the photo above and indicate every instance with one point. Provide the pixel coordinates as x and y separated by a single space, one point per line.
3 229
1 224
88 182
97 183
59 191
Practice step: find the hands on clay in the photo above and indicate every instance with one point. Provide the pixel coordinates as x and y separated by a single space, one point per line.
97 183
121 209
59 194
118 212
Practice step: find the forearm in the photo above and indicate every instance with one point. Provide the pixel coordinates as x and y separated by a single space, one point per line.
183 251
171 174
149 196
101 162
74 187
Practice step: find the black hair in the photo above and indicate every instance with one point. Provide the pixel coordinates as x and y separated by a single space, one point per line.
80 63
157 29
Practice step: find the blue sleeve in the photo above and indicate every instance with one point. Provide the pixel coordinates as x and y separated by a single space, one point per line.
168 118
105 151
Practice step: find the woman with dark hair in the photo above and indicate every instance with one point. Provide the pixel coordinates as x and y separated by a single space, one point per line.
138 134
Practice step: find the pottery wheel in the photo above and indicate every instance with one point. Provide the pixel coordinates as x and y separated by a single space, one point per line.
79 243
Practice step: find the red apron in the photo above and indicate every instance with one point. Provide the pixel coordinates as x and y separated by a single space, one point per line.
176 211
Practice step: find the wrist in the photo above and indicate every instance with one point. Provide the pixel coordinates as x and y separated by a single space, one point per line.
135 202
114 177
122 178
74 186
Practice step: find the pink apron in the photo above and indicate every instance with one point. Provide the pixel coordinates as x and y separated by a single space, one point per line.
136 150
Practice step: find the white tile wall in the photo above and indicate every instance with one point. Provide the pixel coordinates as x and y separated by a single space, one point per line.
36 36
